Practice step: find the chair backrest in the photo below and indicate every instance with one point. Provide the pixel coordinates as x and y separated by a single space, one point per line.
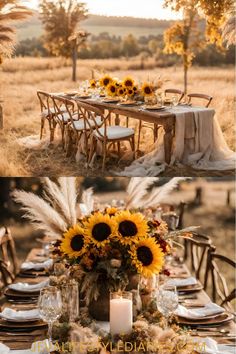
180 93
196 253
6 277
68 105
8 251
90 114
44 98
216 271
200 96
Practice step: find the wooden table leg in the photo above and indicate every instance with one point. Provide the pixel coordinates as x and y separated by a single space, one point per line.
168 140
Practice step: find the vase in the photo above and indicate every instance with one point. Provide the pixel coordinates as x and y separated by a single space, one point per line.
99 309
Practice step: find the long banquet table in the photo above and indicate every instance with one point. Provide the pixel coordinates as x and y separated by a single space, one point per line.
17 341
161 118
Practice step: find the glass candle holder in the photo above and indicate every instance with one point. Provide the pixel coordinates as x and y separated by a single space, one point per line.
121 312
70 300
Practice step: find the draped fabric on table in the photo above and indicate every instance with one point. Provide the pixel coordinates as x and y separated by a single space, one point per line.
198 142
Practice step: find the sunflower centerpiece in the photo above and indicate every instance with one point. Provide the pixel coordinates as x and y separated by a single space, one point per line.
107 249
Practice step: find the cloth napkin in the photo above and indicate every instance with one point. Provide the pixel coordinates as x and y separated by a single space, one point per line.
209 309
10 314
210 346
36 266
28 288
4 349
182 282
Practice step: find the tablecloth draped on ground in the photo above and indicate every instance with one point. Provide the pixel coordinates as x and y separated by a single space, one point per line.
198 142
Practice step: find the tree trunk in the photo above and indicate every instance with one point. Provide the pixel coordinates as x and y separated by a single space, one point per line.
185 79
1 117
74 63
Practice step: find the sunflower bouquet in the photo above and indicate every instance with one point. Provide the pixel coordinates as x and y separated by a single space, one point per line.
110 247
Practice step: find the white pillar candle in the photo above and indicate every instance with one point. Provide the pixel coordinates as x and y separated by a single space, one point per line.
121 315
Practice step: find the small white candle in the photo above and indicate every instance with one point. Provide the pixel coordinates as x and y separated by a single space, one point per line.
121 315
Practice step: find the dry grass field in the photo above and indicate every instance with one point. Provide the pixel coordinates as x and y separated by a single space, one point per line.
20 79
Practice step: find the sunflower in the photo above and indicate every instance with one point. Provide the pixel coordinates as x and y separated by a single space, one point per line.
93 83
128 82
111 211
111 89
121 91
130 226
100 228
147 257
147 89
74 242
105 81
130 92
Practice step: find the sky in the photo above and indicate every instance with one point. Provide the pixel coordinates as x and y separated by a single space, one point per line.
134 8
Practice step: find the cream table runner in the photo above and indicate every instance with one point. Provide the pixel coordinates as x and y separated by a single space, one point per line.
198 142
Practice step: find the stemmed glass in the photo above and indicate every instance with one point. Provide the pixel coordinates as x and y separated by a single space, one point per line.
167 301
50 307
175 100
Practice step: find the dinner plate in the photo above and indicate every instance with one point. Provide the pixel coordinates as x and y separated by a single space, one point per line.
21 326
83 97
110 100
70 93
12 294
15 320
217 320
129 103
190 288
154 108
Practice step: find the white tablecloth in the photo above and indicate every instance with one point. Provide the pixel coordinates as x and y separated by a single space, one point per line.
198 142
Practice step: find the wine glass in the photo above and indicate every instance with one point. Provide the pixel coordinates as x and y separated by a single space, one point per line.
175 100
167 301
50 307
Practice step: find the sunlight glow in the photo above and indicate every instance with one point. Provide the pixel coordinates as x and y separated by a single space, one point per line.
134 8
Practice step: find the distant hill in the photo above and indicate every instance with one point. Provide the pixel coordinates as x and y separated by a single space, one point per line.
96 24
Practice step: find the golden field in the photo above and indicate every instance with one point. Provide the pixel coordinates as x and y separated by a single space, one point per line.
20 78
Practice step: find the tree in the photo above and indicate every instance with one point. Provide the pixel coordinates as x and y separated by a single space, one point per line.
10 11
63 36
184 37
130 46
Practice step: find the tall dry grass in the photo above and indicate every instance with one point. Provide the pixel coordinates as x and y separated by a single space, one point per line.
20 78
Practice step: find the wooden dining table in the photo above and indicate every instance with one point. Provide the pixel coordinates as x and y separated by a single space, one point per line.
161 118
21 341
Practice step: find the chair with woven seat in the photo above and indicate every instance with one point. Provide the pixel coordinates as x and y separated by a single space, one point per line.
47 113
200 96
103 133
8 251
218 266
154 127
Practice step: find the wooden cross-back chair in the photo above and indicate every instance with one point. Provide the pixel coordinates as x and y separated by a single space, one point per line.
216 280
174 91
47 113
63 108
154 127
200 96
8 251
196 253
173 215
6 277
103 133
